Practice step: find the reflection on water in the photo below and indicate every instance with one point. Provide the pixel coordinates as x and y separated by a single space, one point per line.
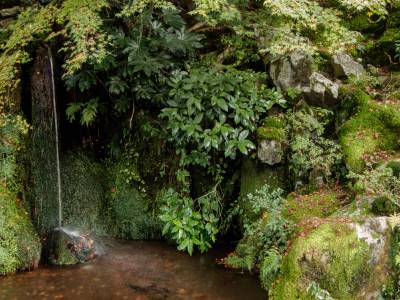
135 270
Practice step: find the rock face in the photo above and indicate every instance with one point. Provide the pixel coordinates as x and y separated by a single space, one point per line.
43 151
295 71
344 66
270 152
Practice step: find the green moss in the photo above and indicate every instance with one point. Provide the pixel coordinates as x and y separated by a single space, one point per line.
255 176
391 289
374 127
395 166
319 204
332 256
129 207
383 206
19 243
272 128
84 192
20 247
361 22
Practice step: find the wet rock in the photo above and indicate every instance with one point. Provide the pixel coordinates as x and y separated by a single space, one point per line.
344 66
66 247
270 152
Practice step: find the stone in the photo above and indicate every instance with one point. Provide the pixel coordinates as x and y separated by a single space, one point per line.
347 259
344 66
65 247
321 91
292 71
316 178
270 152
295 71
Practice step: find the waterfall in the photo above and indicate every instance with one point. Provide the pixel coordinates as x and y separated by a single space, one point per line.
53 85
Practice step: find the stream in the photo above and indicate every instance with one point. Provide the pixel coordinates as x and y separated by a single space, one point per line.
136 270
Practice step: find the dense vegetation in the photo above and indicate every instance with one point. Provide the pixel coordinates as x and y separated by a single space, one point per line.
273 122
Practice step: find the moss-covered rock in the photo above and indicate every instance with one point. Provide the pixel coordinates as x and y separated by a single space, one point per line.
254 176
104 197
373 127
395 166
319 204
337 256
64 247
84 190
20 246
272 128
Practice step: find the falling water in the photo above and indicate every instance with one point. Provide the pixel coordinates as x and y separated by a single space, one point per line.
56 133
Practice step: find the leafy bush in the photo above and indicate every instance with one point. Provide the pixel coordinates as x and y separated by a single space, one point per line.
140 53
265 240
270 267
315 291
380 181
191 223
309 149
212 113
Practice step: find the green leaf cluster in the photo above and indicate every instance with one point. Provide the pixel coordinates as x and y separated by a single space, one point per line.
212 113
192 224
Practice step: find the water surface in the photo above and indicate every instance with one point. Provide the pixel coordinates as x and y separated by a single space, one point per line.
136 270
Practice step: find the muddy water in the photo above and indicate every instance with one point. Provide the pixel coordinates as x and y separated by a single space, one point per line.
136 270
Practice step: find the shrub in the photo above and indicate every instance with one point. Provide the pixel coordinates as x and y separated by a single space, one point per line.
309 149
191 223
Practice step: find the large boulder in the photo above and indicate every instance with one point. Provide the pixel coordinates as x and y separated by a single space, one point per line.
344 259
344 66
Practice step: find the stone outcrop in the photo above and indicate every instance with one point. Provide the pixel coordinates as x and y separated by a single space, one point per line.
295 72
344 66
